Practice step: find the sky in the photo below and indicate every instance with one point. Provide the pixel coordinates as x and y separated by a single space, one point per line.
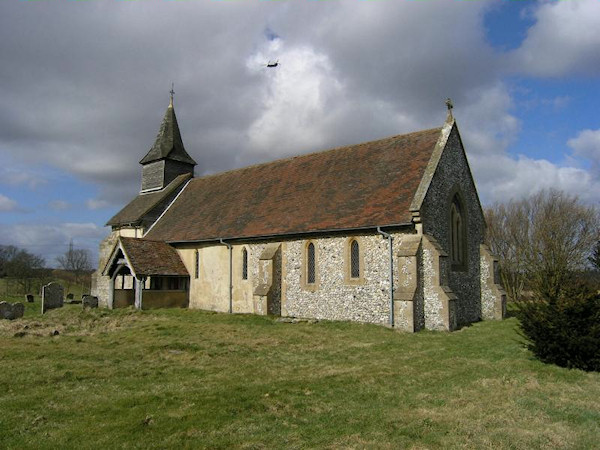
84 85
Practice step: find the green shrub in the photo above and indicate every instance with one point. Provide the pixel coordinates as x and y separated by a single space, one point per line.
564 331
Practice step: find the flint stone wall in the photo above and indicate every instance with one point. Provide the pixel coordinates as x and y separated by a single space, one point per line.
493 296
440 301
100 283
334 298
259 277
453 175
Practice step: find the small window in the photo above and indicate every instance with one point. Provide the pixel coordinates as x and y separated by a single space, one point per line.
310 264
197 272
156 283
244 264
354 260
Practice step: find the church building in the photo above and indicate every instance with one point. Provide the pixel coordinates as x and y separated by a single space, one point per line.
389 232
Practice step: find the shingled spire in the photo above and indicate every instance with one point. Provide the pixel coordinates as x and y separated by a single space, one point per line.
167 158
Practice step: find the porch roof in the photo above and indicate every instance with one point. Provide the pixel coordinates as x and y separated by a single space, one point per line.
152 258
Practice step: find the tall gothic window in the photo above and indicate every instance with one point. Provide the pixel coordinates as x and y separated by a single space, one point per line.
244 264
197 271
310 264
354 260
457 234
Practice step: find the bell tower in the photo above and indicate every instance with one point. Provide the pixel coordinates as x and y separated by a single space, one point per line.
167 159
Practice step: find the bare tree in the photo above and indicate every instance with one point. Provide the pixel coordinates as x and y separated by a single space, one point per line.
541 240
20 265
76 261
595 256
507 230
5 255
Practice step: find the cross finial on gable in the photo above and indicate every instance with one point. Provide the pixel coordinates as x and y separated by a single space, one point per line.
450 105
172 92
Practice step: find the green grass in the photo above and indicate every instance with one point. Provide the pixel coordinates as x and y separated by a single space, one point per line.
191 379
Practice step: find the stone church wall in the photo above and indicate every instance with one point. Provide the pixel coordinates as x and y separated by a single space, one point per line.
210 290
453 175
100 283
334 297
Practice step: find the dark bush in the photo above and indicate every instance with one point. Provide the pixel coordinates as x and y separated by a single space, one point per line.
564 331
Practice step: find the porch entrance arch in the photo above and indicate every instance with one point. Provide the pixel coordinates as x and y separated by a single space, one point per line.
146 274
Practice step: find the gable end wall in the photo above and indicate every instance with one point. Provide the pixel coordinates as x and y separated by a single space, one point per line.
453 175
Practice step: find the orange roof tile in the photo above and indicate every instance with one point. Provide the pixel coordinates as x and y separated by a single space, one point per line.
364 185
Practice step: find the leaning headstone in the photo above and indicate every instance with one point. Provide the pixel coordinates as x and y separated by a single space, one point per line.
90 301
70 296
29 298
11 311
52 297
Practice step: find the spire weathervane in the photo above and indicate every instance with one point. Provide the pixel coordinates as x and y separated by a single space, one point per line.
172 92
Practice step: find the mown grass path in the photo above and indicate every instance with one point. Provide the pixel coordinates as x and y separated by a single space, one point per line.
191 379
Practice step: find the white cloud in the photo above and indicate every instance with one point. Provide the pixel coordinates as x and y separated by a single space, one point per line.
564 40
16 177
59 205
294 101
485 122
587 145
6 204
501 178
94 204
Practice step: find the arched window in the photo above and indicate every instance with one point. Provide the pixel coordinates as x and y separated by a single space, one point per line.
310 264
354 259
244 264
457 234
197 271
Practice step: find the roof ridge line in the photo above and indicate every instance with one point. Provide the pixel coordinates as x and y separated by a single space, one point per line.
305 155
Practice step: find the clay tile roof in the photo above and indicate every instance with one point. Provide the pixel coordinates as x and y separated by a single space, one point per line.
153 257
168 142
141 205
365 185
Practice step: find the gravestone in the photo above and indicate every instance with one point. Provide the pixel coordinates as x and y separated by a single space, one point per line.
52 297
90 301
29 298
11 311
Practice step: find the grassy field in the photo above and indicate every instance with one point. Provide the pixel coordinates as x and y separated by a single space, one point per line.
191 379
8 288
